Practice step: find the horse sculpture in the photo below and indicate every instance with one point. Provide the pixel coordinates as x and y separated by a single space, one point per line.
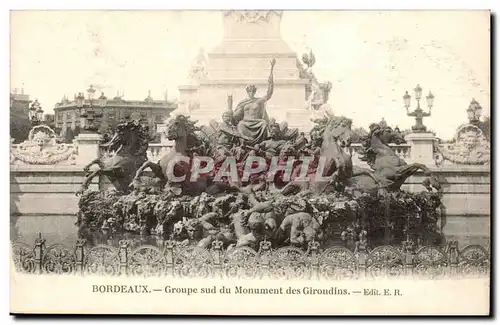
332 162
386 164
127 150
338 162
189 142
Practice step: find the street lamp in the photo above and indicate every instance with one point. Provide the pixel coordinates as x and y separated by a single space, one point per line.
418 113
35 113
39 113
88 113
474 111
79 102
102 100
91 92
418 92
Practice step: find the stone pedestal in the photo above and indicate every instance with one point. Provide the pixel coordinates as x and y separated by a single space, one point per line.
161 128
88 147
251 40
422 148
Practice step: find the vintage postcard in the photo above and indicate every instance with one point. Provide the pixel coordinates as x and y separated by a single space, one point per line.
250 162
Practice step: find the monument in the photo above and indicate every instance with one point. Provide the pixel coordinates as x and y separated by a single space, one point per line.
251 40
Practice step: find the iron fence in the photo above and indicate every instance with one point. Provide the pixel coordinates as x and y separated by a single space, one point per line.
171 259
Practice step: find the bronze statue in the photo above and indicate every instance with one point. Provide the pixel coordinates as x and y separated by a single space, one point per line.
228 136
128 149
338 165
386 164
188 142
299 229
272 146
251 114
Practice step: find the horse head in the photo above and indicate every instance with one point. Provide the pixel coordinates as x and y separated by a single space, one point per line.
182 129
177 128
339 130
385 134
376 144
127 135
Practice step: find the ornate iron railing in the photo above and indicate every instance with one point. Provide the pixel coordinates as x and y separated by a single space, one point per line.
170 259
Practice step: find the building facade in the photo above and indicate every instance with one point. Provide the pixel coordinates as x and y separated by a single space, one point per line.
68 120
19 115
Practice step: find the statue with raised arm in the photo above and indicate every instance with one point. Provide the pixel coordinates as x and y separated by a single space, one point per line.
251 114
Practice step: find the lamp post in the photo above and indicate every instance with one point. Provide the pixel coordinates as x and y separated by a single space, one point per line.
418 113
35 113
474 111
87 112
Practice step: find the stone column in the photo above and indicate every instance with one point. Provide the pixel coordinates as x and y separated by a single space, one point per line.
161 128
88 147
422 148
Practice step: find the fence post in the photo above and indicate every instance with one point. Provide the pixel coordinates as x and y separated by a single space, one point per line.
88 147
453 256
361 252
421 147
265 257
169 257
38 253
408 250
123 256
217 254
313 249
80 255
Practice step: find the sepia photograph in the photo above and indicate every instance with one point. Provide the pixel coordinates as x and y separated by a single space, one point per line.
202 161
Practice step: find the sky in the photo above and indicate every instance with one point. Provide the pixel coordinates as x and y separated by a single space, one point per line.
370 57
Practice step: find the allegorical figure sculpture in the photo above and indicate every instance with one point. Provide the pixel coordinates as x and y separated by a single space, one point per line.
251 114
228 135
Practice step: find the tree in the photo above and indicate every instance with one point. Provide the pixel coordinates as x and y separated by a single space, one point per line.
358 134
69 136
19 129
485 126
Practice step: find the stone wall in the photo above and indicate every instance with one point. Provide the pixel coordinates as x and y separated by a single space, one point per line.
466 211
42 199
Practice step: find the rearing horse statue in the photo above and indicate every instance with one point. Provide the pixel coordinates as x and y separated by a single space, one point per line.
128 149
337 136
189 142
387 165
333 161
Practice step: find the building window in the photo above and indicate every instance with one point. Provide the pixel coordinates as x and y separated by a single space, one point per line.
158 118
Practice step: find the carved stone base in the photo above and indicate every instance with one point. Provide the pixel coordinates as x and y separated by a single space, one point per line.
422 148
88 147
251 40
